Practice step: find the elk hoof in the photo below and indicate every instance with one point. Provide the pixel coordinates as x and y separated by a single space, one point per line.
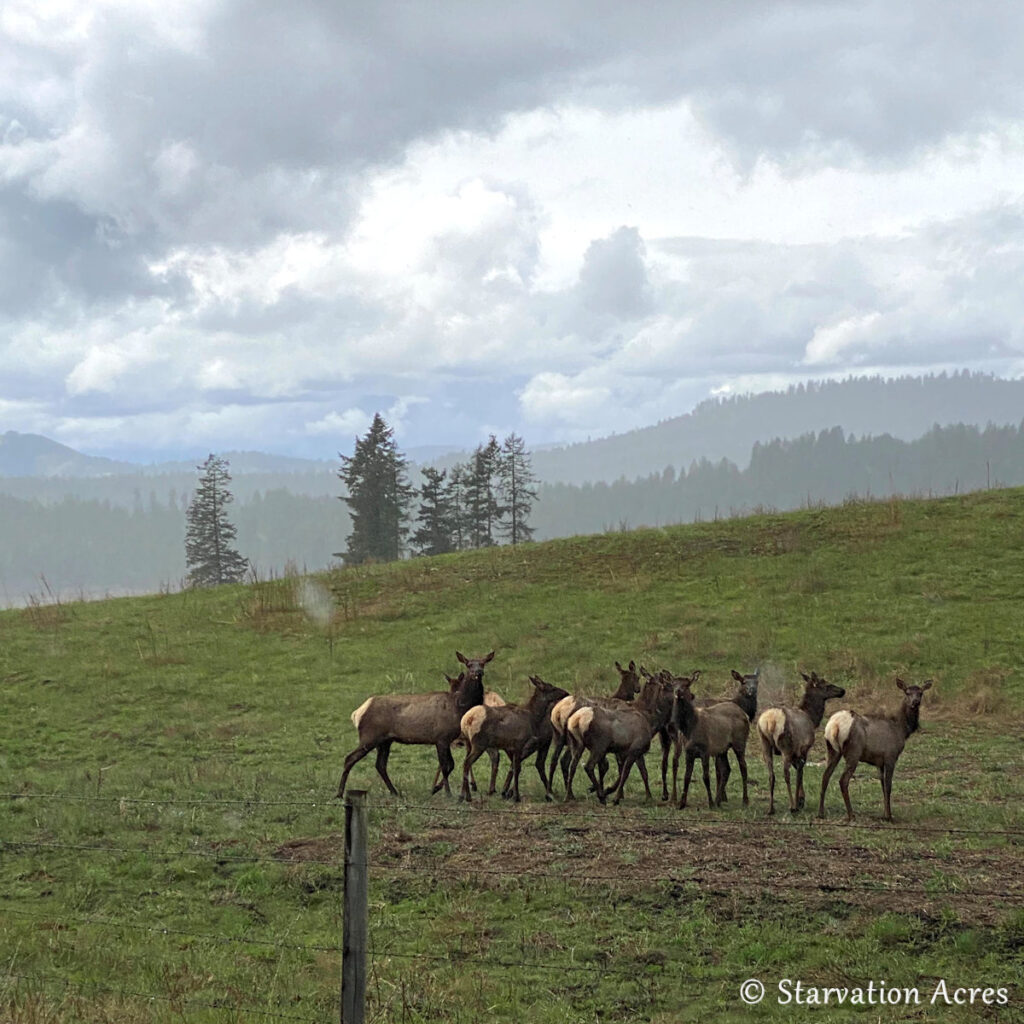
771 811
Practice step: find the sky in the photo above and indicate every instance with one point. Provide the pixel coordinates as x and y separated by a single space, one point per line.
248 225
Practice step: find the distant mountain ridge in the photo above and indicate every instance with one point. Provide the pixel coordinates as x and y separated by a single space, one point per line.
721 428
728 428
32 455
35 455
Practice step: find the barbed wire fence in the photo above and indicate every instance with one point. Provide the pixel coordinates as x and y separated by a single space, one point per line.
357 952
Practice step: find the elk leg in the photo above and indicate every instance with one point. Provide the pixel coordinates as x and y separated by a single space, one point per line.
542 760
844 786
705 764
800 784
576 755
833 760
383 753
563 753
354 758
641 765
472 753
887 789
589 768
687 775
495 757
769 760
721 777
741 760
447 762
623 774
677 752
666 743
789 785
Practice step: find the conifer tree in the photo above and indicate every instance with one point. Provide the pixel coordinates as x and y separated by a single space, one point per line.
517 489
456 496
379 496
434 535
483 511
209 536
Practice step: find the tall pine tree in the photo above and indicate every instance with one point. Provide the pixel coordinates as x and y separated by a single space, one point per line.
209 536
517 489
379 496
435 535
482 508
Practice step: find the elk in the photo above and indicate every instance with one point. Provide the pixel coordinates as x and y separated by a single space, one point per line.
491 699
875 739
629 686
626 731
746 700
790 733
706 733
420 718
518 729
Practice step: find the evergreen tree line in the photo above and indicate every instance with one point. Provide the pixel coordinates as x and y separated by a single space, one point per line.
475 504
817 468
96 547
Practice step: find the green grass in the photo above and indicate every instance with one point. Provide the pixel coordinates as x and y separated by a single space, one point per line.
171 844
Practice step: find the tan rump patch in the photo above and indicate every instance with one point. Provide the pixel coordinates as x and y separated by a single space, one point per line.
562 712
492 700
472 722
837 731
357 715
772 724
579 723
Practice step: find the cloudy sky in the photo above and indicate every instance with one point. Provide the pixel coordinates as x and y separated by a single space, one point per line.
230 224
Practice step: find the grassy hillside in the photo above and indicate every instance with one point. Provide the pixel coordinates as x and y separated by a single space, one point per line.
169 842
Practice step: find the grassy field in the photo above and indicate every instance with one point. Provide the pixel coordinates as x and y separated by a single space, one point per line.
170 845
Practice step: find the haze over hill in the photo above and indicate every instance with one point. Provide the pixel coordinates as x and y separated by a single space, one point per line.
123 530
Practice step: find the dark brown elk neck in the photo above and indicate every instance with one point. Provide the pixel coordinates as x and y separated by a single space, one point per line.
909 718
813 705
747 703
686 716
469 694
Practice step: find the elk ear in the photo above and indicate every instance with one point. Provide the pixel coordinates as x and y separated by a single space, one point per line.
489 657
926 685
902 685
632 666
619 667
737 676
695 676
461 657
806 678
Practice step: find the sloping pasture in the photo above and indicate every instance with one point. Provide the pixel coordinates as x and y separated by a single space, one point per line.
170 845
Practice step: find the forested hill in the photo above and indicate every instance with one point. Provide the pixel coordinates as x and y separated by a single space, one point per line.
728 428
92 547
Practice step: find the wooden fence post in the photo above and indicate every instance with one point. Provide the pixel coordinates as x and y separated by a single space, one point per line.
356 919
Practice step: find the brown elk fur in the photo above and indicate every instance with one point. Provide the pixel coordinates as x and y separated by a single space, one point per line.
790 733
706 733
629 686
626 732
875 739
417 718
745 699
518 729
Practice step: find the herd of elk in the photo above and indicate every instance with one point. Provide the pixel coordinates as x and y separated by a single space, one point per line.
624 724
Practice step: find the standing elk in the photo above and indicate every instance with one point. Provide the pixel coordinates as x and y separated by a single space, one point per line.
518 729
790 733
626 732
491 699
745 699
876 739
416 718
629 686
706 733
